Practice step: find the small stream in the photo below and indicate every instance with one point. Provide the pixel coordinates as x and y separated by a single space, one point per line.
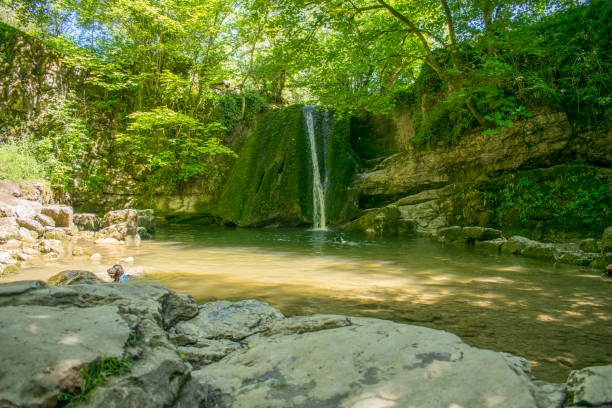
556 316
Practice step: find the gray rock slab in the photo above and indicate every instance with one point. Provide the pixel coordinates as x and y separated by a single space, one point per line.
48 346
371 363
226 320
591 386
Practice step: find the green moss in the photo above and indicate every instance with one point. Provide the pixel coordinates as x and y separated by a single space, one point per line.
269 182
93 375
342 201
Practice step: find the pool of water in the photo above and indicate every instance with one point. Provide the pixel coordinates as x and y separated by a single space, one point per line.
556 316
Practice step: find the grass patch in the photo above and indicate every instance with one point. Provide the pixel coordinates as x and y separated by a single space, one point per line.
93 375
18 162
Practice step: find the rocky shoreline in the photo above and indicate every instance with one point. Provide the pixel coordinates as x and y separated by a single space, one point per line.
389 221
31 227
167 351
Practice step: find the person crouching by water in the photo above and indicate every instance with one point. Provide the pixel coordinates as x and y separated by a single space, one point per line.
117 273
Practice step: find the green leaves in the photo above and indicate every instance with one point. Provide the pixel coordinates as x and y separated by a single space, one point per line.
169 148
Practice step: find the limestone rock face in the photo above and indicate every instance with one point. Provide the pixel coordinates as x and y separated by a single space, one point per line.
536 140
87 222
61 214
32 225
360 362
121 216
9 229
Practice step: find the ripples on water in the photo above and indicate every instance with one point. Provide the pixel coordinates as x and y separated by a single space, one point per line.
556 316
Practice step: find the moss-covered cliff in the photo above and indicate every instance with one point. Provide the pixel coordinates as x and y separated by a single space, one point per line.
271 182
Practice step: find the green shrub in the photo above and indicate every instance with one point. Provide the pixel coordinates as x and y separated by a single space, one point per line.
571 197
18 161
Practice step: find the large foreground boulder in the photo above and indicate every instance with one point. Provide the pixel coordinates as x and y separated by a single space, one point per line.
143 345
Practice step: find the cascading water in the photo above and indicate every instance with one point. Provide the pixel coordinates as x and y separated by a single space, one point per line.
319 171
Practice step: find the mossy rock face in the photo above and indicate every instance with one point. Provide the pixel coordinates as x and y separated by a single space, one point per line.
271 182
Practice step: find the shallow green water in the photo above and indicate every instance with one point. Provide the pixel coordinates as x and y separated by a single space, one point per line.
556 316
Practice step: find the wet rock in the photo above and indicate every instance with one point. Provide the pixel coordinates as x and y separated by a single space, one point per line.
56 233
73 277
47 246
45 220
146 220
493 245
87 222
602 261
426 215
121 216
606 240
143 233
9 268
61 214
591 386
577 258
104 241
516 244
540 250
480 233
120 232
79 251
226 320
32 225
450 234
379 221
589 245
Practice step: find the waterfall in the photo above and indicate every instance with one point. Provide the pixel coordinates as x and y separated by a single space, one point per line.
319 170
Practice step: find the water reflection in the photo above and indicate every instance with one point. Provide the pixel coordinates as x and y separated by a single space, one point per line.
555 316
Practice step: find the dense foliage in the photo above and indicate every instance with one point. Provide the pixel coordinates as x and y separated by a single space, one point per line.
572 195
165 81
